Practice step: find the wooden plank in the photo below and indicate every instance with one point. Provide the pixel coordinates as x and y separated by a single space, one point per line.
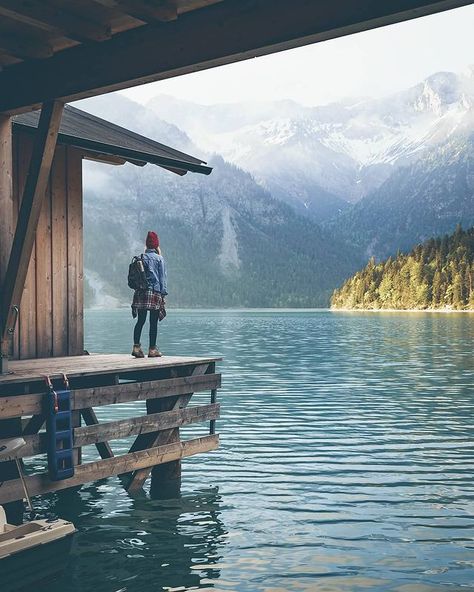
16 204
40 484
21 405
94 434
98 364
43 302
149 12
222 33
33 196
57 20
27 317
75 274
24 47
102 445
32 425
7 207
59 252
100 433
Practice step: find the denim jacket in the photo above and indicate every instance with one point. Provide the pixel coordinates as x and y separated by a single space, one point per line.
155 271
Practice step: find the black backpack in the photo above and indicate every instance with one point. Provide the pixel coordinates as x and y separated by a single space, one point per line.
137 274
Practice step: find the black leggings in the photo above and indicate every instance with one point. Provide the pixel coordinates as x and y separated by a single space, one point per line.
153 327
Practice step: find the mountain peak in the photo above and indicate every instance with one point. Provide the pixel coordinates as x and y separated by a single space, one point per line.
438 92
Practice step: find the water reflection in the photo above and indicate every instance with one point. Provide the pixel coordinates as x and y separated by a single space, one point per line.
140 544
345 464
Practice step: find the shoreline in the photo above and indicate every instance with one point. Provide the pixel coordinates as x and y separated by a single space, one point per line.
286 309
430 310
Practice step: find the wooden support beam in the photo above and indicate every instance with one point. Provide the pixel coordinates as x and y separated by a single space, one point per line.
23 47
7 213
229 31
166 480
149 11
41 484
33 425
124 428
212 425
21 405
101 442
101 433
7 208
56 19
158 437
28 216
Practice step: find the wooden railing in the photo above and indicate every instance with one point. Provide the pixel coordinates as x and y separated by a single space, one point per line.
167 394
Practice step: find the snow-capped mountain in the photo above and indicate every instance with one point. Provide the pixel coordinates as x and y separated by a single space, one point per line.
227 240
320 159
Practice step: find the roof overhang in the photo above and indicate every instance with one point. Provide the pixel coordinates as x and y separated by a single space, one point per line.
203 34
102 140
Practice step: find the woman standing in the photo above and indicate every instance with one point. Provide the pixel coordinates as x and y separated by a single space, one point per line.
152 299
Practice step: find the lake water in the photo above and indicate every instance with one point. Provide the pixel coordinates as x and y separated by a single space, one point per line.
346 461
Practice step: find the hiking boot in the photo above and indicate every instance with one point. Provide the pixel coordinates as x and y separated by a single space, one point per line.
137 351
153 352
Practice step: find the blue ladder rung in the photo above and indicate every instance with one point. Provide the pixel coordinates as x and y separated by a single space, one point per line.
59 434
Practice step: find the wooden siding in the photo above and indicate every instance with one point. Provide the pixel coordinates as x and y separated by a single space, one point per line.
50 322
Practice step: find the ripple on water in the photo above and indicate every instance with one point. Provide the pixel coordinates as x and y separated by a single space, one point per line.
345 464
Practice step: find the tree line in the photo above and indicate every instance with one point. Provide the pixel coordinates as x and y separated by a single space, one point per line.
437 274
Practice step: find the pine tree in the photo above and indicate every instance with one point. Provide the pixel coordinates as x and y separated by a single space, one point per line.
435 274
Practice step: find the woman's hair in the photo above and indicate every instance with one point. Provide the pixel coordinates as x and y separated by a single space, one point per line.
158 250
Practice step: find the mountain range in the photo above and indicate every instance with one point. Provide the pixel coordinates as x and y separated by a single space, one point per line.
322 159
299 198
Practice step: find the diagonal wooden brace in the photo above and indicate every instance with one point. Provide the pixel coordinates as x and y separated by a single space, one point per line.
28 216
138 478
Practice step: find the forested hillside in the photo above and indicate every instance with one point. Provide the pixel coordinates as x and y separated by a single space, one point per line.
427 198
437 274
227 242
299 199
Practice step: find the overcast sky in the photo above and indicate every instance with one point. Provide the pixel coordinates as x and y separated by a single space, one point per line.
373 63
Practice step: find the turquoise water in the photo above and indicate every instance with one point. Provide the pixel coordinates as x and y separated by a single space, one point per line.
346 461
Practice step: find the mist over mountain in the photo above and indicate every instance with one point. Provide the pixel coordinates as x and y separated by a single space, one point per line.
227 241
425 199
299 198
321 159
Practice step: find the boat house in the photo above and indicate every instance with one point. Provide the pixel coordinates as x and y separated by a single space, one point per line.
50 319
53 53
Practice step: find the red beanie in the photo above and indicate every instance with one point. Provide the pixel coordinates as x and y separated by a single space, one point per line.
152 240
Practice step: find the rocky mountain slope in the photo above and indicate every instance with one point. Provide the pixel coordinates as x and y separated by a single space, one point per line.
321 159
427 198
299 196
227 240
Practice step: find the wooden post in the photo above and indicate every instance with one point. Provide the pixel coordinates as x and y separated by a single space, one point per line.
166 477
28 216
8 427
6 193
6 214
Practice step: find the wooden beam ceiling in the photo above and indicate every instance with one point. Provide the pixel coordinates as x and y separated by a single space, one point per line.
146 11
22 41
221 33
54 19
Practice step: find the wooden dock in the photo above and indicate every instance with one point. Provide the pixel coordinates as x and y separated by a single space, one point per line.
166 385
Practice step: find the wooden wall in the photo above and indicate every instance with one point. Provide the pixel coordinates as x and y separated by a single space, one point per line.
51 312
